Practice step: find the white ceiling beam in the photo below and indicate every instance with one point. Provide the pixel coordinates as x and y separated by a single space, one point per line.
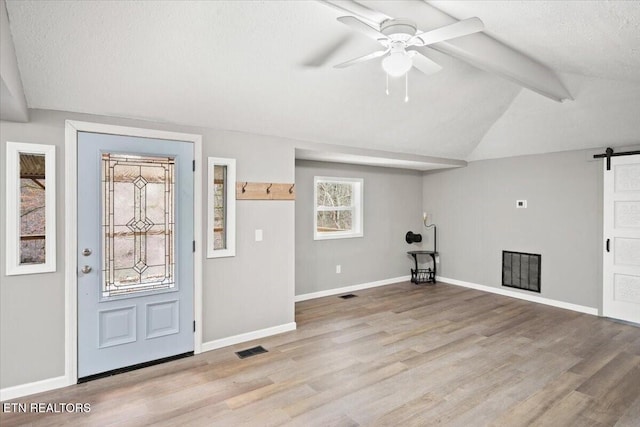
479 49
363 13
13 104
370 157
488 54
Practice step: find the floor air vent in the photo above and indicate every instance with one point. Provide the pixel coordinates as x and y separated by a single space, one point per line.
521 270
348 296
251 352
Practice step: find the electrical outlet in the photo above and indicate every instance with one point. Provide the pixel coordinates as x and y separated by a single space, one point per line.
338 269
521 204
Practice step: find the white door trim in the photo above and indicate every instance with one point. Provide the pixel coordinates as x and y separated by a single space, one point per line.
72 128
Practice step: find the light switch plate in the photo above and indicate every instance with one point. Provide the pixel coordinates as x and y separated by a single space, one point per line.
258 235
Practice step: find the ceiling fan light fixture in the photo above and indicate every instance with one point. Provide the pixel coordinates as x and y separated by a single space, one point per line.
397 64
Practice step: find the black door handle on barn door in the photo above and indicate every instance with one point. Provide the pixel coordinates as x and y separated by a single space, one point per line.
608 245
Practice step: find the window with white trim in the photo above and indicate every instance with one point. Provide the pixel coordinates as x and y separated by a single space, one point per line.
30 208
221 226
338 210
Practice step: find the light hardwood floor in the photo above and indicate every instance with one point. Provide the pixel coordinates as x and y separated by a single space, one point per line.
398 355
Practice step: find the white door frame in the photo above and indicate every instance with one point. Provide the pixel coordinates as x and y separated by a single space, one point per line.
72 128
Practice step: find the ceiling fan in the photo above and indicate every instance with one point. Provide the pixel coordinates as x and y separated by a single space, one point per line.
400 38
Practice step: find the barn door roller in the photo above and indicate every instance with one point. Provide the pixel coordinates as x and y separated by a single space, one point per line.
608 154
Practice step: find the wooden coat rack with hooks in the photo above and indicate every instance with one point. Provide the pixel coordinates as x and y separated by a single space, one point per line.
264 191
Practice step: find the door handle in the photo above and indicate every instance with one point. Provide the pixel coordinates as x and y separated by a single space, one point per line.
608 246
86 269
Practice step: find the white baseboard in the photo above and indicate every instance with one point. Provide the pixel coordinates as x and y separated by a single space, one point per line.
249 336
59 382
351 288
561 304
15 392
21 390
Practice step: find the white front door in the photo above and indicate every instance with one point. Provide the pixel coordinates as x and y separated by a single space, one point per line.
621 265
135 252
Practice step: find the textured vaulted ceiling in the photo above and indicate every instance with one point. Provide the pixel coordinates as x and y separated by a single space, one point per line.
265 67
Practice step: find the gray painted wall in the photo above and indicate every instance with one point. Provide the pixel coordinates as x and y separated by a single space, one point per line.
253 290
392 206
475 211
474 208
32 306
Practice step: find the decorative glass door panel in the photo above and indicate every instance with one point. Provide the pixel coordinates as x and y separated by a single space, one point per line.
138 223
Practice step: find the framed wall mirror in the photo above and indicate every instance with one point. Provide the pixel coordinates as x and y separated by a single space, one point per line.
31 208
221 208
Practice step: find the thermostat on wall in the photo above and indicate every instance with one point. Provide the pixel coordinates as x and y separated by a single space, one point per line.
521 204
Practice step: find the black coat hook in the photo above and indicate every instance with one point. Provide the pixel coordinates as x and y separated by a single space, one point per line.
269 188
291 188
244 187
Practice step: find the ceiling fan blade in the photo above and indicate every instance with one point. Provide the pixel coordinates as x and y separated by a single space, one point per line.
360 26
326 54
424 64
368 57
459 29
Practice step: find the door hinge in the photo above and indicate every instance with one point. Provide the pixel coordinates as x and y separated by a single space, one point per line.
194 165
194 326
194 246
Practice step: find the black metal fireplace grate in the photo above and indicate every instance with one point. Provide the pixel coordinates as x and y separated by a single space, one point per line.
521 270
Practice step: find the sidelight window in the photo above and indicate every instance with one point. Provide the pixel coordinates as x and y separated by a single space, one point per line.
31 208
221 208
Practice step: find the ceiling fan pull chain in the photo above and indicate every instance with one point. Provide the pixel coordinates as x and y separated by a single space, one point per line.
387 91
406 87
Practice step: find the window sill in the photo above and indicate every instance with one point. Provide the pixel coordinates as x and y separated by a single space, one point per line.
221 253
333 236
